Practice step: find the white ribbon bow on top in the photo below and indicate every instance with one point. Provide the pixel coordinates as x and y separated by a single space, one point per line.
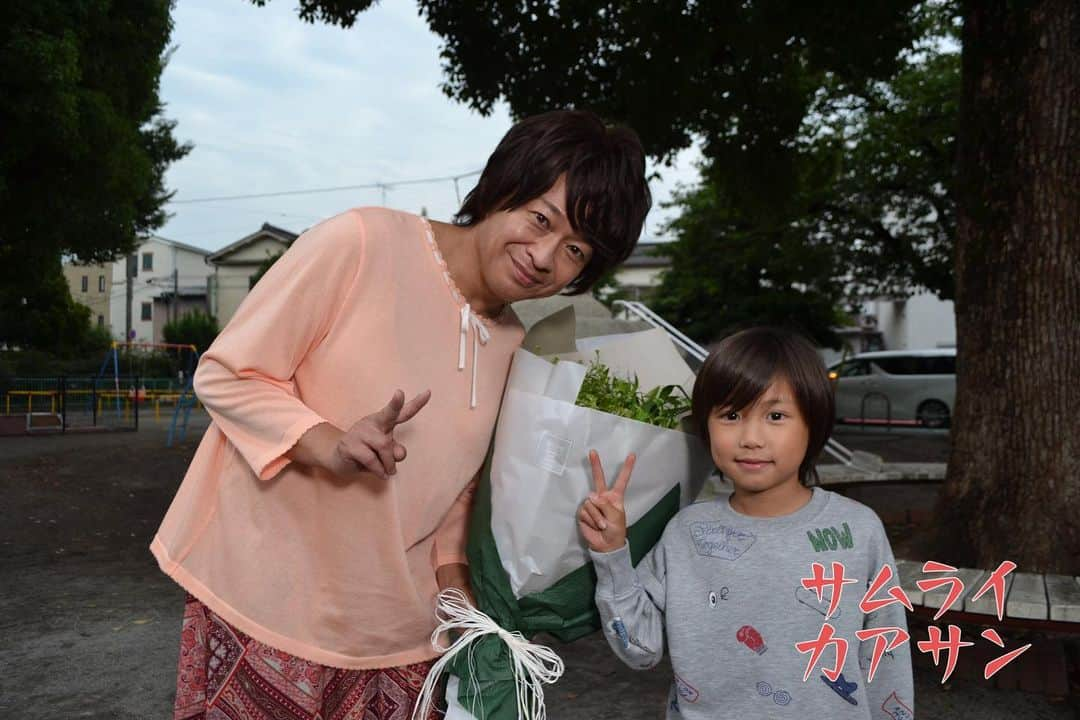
480 337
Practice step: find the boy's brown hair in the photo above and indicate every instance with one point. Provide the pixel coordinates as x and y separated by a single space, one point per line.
741 368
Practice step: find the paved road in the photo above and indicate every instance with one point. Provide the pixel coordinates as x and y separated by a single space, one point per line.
90 627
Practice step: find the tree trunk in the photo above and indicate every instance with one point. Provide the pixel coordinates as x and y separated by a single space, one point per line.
1013 483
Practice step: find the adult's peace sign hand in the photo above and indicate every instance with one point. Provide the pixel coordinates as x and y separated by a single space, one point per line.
369 445
602 517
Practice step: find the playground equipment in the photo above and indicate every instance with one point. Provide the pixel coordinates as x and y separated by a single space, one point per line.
184 400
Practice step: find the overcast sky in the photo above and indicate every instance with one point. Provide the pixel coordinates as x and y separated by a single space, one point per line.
273 104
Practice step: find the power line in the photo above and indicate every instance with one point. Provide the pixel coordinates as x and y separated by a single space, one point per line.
367 186
209 203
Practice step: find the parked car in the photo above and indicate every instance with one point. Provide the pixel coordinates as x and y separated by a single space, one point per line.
902 387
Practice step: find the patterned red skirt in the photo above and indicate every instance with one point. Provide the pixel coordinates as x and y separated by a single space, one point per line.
225 675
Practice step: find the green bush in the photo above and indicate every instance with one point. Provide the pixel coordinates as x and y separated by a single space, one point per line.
195 328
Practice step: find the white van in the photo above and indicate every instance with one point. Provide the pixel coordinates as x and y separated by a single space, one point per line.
900 387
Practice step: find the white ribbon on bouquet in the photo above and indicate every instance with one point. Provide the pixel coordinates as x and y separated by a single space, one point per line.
534 665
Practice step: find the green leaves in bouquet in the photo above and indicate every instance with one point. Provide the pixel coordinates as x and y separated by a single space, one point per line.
607 392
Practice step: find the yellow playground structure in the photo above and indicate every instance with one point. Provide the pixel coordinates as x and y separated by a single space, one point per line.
109 400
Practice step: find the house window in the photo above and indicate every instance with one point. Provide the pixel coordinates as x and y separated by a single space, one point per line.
147 262
101 283
85 282
147 311
101 321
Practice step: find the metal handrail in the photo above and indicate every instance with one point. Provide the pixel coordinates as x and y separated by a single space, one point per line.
840 452
635 307
643 311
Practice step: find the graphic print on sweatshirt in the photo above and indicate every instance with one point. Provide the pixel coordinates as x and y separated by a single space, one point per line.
715 539
831 538
808 599
751 638
618 629
780 697
843 688
896 708
626 639
717 596
686 691
866 654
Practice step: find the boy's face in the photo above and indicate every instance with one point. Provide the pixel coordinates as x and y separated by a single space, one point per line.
760 448
532 251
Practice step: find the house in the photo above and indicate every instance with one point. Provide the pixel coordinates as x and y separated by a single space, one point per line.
91 285
640 273
919 321
235 267
159 267
187 299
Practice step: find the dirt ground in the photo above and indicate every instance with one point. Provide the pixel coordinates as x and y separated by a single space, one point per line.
90 626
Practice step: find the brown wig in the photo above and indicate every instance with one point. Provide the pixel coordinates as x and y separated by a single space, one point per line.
741 368
607 196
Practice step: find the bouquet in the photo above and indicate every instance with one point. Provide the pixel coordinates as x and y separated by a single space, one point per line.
529 567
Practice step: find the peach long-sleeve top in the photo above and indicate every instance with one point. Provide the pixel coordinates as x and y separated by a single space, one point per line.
341 573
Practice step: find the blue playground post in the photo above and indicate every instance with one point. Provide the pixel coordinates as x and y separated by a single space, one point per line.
184 403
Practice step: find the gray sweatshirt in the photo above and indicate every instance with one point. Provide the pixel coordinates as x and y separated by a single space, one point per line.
725 589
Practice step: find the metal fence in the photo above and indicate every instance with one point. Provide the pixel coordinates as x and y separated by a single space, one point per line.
51 404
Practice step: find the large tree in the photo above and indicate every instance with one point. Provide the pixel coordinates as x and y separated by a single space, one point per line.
1013 488
744 79
84 152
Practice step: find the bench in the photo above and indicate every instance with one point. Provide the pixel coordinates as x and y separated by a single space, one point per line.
1046 606
1034 603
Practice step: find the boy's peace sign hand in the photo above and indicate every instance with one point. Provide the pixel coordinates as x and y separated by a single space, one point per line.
602 517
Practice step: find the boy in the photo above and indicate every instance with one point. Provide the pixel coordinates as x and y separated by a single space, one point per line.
725 581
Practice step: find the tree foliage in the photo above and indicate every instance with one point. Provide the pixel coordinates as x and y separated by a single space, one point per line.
870 210
85 147
893 207
672 70
828 133
729 272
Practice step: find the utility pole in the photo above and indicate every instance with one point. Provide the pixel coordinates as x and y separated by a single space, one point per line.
129 272
175 292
